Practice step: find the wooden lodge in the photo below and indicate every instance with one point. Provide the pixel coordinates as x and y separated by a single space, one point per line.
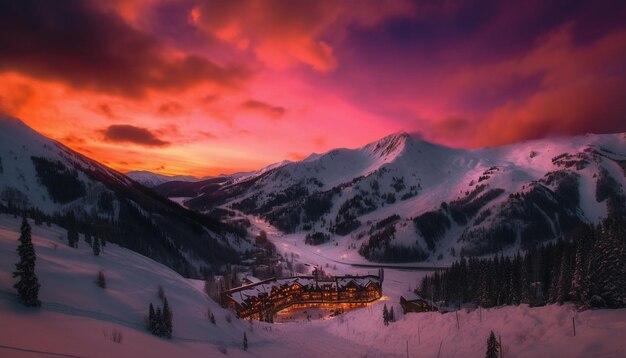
275 294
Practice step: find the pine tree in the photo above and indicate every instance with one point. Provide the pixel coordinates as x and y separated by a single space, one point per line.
493 346
245 341
608 276
167 318
101 280
72 237
96 246
484 296
151 319
392 316
565 279
159 328
385 315
579 288
28 284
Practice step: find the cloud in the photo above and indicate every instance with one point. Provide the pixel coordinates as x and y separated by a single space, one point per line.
74 42
73 140
285 33
580 89
106 110
171 109
295 156
264 108
125 133
15 97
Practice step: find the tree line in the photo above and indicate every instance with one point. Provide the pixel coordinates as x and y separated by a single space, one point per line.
588 268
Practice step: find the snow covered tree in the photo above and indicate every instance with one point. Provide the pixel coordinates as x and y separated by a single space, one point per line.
28 284
96 246
245 341
493 347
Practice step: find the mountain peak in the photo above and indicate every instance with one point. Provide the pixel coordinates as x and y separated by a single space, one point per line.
389 144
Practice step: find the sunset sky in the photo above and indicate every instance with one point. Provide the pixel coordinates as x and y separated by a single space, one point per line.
209 87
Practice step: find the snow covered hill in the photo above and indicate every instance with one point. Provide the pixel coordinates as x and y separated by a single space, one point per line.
79 319
57 184
150 179
402 199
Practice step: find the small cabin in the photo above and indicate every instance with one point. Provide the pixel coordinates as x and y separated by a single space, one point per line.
414 303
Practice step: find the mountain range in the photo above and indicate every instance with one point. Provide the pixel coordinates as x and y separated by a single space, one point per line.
401 199
398 199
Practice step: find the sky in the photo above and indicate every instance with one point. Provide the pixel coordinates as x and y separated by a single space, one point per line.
208 87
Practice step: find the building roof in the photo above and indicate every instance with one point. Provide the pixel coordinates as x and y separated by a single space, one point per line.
265 287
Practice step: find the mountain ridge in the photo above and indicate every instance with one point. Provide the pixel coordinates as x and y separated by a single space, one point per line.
448 200
56 184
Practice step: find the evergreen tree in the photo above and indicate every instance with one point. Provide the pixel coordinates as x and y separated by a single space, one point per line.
579 288
96 246
88 238
151 319
101 280
385 315
245 341
167 318
493 346
484 296
525 282
28 284
565 279
72 237
608 276
159 328
392 316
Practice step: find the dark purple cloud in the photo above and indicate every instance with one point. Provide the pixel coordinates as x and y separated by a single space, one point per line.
72 41
130 134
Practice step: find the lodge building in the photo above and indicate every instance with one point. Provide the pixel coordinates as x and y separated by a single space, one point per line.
275 294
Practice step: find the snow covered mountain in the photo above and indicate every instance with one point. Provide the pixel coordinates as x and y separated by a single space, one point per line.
402 199
59 185
150 179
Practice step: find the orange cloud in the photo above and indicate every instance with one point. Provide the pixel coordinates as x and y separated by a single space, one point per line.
285 33
264 108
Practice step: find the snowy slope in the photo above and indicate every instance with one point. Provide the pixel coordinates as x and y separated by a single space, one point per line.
18 143
150 179
60 185
78 318
480 201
